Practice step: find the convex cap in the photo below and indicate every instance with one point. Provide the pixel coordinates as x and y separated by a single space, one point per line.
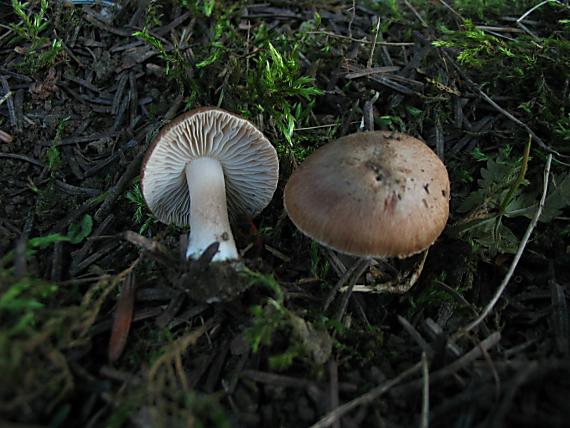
248 160
378 194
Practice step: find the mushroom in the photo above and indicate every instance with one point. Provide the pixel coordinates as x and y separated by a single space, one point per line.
200 165
371 194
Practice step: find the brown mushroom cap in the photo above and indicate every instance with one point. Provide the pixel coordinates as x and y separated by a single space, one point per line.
379 194
248 160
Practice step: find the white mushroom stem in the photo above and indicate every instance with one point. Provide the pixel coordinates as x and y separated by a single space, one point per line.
208 210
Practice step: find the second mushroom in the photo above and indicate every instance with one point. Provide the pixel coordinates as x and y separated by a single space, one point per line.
371 194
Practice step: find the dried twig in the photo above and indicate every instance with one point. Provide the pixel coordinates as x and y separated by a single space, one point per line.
476 352
333 394
362 266
5 137
415 12
517 257
519 21
424 421
352 16
22 158
559 317
115 192
343 279
9 102
364 41
5 97
156 250
452 10
366 398
422 343
374 42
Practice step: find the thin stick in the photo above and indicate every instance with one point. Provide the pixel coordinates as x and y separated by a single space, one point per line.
366 398
532 9
364 41
5 137
333 397
10 103
352 16
374 41
489 342
424 421
452 10
5 97
343 279
22 158
346 296
517 257
519 21
415 12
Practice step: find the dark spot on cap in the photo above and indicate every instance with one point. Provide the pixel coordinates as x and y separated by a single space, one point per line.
444 193
390 203
425 203
374 166
426 188
379 177
400 196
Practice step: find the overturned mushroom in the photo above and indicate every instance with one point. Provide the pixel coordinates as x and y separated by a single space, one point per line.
203 164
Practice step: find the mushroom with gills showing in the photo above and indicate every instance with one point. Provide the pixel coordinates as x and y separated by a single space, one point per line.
200 166
371 194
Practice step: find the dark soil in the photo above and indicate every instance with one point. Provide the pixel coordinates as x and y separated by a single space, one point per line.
209 346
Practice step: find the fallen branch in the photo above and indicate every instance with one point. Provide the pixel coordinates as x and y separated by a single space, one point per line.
366 398
477 351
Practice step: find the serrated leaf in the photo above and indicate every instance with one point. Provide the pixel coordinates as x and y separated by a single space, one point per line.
557 200
495 236
495 180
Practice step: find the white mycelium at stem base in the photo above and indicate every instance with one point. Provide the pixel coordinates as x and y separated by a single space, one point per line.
208 210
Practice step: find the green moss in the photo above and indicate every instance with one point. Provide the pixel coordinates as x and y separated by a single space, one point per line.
30 29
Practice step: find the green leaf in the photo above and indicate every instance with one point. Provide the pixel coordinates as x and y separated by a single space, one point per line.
494 236
557 200
44 241
496 178
78 232
212 58
54 159
209 7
